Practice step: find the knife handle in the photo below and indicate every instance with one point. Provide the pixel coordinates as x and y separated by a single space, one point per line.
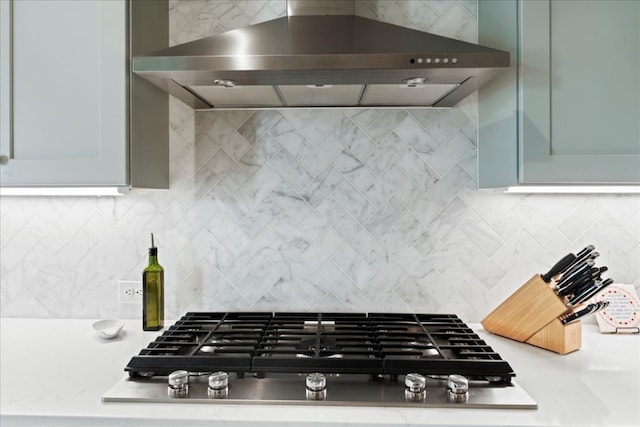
584 254
598 286
559 267
578 314
575 286
576 272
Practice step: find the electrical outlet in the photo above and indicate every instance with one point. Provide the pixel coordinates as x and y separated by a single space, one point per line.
129 292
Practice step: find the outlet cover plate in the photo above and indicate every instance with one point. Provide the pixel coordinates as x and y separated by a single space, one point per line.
129 292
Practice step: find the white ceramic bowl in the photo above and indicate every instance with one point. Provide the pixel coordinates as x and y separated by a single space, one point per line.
108 329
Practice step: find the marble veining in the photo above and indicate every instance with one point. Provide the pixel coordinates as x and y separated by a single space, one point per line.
309 209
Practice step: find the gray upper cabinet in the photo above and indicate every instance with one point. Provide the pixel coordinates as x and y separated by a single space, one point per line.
65 96
568 112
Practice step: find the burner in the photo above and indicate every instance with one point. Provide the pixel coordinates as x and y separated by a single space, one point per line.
322 346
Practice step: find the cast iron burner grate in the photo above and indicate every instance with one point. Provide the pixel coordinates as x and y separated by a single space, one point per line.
332 343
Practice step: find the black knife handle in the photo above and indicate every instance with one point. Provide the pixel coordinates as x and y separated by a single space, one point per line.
576 272
574 287
584 254
578 314
577 299
560 266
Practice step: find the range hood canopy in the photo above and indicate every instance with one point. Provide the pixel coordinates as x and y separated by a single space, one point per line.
321 55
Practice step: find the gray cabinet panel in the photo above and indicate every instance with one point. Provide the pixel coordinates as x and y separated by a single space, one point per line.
67 77
71 113
577 90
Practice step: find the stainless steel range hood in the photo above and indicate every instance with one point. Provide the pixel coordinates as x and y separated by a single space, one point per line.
321 55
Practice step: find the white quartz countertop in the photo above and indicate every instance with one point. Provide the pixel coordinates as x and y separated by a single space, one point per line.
54 372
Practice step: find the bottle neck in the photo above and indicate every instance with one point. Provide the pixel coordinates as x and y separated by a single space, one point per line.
153 255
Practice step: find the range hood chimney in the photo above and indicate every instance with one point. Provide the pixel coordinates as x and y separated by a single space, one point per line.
321 55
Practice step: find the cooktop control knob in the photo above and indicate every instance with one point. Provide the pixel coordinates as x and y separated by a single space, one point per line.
179 384
457 388
316 385
218 385
415 387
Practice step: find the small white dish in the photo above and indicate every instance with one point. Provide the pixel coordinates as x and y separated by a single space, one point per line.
108 329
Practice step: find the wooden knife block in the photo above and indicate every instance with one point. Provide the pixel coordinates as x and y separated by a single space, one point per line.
531 314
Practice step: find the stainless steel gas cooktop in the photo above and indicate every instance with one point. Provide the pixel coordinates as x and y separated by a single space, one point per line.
362 359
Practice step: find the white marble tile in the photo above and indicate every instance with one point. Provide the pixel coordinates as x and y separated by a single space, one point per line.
258 124
353 170
260 153
326 276
298 116
195 188
548 236
227 204
450 20
346 226
385 154
322 186
350 263
197 155
417 170
353 138
483 268
392 181
291 171
104 231
291 202
388 277
384 218
419 204
606 232
305 296
412 232
322 155
622 207
291 138
228 139
362 117
481 234
350 297
516 248
585 214
322 122
450 153
555 207
262 278
418 12
259 186
448 218
235 117
419 295
449 185
232 175
450 252
229 234
442 126
416 137
383 123
397 16
514 218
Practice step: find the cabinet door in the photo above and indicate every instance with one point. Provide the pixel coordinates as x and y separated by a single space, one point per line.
64 92
580 70
568 112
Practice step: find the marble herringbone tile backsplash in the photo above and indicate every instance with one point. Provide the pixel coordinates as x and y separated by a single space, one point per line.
324 210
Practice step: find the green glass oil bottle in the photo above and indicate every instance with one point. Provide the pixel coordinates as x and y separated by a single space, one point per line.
153 292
